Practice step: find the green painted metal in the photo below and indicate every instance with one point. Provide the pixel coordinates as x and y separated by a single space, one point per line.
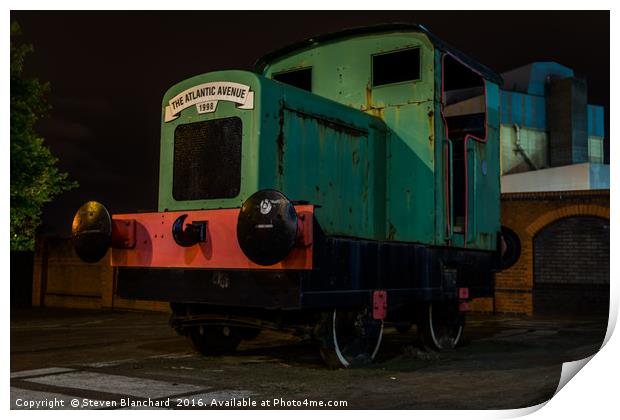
485 167
332 156
371 157
342 71
310 148
250 138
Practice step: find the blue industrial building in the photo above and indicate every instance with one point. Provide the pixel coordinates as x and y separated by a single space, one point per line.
552 139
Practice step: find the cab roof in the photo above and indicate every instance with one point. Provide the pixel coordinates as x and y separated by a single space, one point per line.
475 66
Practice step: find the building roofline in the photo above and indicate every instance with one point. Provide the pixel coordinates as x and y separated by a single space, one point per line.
553 195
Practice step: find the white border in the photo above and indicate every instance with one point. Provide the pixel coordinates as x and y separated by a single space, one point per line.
593 394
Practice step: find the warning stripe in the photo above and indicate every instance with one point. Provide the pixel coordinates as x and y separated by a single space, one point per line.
60 386
102 382
39 372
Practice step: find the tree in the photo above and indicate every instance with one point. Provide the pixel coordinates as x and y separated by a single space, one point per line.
35 179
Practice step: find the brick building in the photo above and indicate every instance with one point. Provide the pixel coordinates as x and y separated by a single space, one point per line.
564 263
555 195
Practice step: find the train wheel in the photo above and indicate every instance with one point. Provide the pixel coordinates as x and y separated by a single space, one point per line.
213 340
440 326
350 338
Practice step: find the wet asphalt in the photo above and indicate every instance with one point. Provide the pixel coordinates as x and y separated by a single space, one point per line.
118 360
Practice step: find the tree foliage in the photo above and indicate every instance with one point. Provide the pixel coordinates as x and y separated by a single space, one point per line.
35 179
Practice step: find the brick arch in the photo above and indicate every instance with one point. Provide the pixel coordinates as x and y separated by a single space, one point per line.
576 210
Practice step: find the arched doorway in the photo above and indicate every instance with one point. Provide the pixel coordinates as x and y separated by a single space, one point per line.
571 267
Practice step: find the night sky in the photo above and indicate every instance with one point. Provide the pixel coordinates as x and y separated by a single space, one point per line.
109 70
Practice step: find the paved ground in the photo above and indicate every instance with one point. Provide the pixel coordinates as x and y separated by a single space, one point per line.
120 358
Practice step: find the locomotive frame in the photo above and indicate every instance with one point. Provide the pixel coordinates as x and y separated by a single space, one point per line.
352 179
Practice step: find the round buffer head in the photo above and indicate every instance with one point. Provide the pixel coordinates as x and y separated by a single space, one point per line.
91 231
267 227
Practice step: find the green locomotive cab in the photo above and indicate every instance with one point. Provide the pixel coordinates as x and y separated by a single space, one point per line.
352 180
442 113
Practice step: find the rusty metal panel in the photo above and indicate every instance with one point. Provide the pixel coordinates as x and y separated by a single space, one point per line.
342 71
332 156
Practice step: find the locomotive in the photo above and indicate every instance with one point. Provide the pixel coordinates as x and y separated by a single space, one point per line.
351 180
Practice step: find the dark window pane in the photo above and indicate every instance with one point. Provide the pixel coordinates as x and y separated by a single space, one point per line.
396 67
298 78
207 160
